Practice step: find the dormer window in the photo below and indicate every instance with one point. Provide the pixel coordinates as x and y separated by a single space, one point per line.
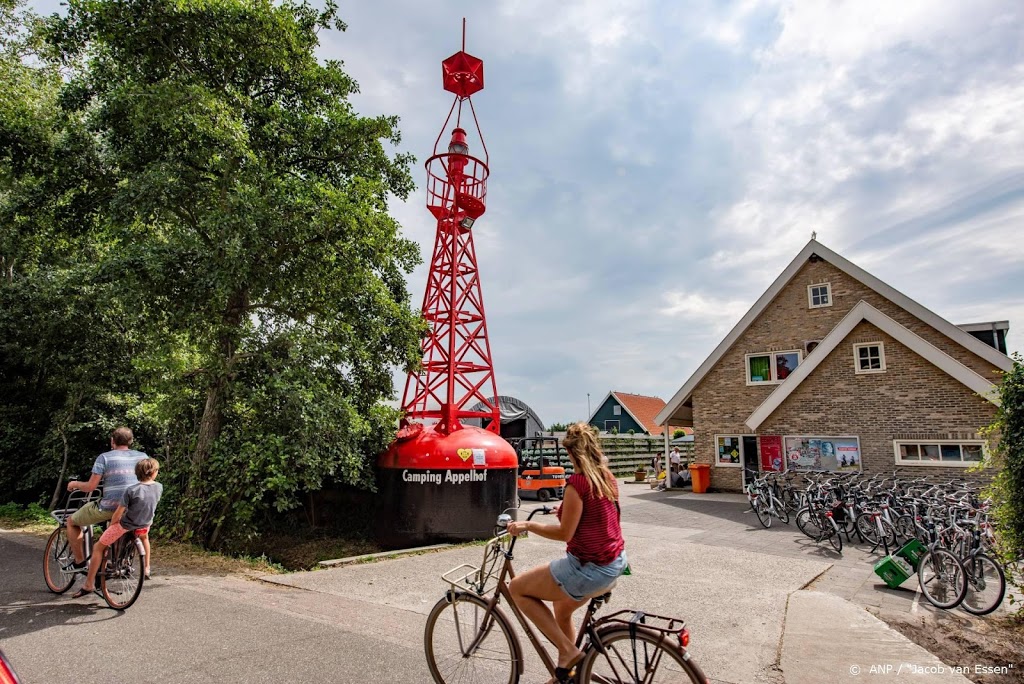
819 296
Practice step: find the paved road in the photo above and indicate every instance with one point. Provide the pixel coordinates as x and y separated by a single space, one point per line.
696 557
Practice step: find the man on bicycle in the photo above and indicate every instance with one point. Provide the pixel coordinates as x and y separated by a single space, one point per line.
116 470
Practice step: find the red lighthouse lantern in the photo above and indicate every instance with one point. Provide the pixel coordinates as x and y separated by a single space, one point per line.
441 480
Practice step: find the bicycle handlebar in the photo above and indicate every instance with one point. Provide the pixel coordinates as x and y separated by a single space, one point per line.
504 519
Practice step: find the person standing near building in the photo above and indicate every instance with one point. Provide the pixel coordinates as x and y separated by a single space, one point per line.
116 470
675 459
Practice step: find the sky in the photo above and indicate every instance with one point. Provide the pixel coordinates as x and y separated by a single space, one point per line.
655 165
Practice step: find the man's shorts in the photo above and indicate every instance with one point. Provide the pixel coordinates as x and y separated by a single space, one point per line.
580 580
91 514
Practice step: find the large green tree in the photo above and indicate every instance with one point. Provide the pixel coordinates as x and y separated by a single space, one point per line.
64 349
213 170
1007 459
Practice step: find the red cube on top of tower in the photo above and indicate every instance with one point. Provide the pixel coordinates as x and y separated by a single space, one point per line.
463 74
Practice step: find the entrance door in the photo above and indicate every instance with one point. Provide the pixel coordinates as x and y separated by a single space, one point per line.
751 459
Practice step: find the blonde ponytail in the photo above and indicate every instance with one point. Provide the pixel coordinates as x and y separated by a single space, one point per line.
585 451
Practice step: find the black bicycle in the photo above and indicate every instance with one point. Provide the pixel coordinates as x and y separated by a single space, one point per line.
123 571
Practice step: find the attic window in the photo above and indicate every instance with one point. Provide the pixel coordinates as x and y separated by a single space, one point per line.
869 358
819 296
771 367
616 410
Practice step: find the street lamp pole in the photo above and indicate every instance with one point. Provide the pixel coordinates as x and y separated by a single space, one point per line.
588 405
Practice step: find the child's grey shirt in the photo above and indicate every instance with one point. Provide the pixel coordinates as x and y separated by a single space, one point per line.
140 502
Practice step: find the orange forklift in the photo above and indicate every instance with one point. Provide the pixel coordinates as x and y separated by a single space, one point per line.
542 464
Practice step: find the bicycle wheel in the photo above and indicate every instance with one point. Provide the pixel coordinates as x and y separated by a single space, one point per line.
56 558
121 575
808 523
780 510
888 535
986 585
790 501
906 529
454 626
941 577
650 657
761 511
834 537
866 529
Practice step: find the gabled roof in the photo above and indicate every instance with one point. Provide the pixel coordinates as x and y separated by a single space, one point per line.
640 408
996 358
865 312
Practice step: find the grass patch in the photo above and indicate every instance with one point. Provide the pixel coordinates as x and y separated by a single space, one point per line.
30 518
304 549
188 559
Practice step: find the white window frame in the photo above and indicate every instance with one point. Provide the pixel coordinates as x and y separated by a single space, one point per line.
608 428
616 410
771 365
810 295
897 443
856 358
742 455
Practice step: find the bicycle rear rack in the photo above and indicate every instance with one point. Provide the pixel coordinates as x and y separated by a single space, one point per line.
655 623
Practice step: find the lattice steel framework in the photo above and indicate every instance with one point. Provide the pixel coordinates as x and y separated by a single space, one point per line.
457 371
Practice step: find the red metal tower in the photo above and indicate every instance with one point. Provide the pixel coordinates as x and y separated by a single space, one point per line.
457 372
447 483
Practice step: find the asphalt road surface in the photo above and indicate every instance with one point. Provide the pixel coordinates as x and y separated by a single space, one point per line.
365 622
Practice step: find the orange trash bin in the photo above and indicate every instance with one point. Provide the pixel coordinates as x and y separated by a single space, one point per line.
700 475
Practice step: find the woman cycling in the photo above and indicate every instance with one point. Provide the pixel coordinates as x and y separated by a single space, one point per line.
595 556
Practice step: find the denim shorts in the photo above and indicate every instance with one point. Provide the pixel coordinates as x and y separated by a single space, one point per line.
582 580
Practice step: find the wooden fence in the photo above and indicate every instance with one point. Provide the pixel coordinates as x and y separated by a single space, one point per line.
626 452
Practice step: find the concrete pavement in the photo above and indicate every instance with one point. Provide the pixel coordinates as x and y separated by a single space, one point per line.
740 588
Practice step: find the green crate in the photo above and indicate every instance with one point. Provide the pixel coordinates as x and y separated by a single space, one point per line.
913 551
894 571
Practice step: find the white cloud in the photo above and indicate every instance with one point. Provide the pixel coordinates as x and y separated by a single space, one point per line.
655 165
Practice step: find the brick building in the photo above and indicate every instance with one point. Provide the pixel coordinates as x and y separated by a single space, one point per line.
833 368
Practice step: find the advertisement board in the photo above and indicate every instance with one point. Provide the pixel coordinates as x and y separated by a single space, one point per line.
771 454
838 454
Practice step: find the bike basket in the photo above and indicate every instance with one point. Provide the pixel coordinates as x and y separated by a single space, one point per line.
478 580
913 551
893 571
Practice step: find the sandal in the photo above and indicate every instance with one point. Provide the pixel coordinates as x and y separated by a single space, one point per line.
562 674
83 592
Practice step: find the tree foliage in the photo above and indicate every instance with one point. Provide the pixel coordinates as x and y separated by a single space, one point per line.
203 187
1007 489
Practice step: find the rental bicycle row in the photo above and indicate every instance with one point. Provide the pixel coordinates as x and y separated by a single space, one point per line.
938 530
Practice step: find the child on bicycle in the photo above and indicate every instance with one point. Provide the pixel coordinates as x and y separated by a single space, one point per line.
134 514
595 553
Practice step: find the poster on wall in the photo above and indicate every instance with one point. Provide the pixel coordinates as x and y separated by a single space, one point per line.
839 454
771 454
728 450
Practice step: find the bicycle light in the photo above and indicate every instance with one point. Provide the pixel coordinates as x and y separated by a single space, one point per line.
684 637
